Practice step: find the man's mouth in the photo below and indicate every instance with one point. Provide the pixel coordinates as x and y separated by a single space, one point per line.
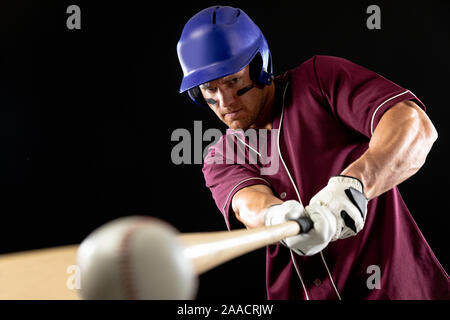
233 115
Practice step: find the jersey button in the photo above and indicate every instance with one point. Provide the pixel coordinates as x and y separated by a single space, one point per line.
283 195
317 282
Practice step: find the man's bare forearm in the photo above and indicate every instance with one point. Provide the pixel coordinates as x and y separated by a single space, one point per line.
397 149
250 203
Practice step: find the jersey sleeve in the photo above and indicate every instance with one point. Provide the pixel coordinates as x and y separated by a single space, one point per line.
355 95
225 179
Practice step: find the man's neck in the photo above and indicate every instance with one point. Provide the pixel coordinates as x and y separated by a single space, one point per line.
265 117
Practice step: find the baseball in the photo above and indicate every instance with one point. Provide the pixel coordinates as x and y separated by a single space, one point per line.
135 257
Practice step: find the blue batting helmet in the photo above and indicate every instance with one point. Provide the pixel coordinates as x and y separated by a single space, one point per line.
219 41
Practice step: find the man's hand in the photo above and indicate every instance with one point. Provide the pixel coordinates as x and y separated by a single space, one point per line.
344 197
316 239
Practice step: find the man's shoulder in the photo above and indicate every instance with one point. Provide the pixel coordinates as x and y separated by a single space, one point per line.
323 61
318 66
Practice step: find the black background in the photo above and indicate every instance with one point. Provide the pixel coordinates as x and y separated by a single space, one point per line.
86 116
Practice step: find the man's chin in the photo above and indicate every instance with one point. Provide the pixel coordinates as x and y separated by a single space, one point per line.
238 125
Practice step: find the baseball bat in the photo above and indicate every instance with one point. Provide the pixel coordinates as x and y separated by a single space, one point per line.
44 274
151 260
207 250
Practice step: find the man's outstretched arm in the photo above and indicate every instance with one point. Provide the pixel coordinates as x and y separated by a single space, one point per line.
397 150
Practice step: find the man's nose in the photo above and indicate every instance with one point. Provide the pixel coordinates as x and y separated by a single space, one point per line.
226 98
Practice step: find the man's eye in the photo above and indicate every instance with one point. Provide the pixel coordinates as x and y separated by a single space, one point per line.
235 80
211 90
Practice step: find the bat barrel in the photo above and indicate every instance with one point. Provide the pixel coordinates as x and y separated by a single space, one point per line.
207 250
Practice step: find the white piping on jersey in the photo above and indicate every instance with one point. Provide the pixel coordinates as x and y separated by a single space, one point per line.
279 151
299 274
329 275
373 116
299 199
229 194
295 187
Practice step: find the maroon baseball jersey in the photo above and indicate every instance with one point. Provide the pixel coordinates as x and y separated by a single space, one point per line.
325 113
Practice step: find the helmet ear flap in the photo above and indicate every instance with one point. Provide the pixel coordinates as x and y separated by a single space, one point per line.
255 69
197 96
257 73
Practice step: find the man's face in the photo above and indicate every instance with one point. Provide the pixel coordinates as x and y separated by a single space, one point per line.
233 100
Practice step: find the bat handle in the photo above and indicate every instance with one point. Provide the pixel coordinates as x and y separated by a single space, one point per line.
305 223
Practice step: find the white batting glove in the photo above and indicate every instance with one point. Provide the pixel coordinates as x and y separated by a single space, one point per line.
314 240
344 197
283 212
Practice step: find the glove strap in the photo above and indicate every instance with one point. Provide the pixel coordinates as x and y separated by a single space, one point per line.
358 199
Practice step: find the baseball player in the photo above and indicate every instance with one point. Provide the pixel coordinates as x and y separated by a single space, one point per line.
345 138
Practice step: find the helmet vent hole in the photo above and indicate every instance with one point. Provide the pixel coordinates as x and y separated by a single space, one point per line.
214 14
